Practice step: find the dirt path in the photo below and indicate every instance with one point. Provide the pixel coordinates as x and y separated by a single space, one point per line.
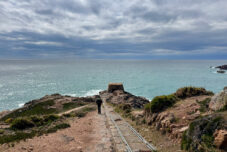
75 109
87 134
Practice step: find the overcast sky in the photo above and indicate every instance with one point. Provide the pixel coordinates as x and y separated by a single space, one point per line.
113 29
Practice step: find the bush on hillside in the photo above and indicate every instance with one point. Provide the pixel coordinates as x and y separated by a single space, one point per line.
57 127
160 103
16 137
127 108
21 123
199 137
37 120
186 92
50 118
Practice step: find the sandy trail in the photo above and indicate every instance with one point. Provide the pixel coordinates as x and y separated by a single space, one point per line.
87 134
75 109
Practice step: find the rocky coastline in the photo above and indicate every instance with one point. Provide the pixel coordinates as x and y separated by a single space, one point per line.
179 116
221 69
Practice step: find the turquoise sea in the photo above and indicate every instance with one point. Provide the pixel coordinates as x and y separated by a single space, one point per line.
25 80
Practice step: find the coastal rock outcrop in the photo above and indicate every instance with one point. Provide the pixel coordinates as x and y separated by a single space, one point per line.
219 101
222 67
220 139
116 95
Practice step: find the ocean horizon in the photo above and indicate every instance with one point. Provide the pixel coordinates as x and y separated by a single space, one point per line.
24 80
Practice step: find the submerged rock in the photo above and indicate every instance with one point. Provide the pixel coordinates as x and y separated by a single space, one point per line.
220 71
219 101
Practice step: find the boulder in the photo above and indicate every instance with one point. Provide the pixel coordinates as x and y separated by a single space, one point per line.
219 101
115 86
222 67
220 139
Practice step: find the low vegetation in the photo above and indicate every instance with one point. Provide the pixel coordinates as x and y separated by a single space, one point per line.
21 135
27 127
124 109
199 136
57 127
17 136
41 108
40 117
22 123
204 105
160 103
186 92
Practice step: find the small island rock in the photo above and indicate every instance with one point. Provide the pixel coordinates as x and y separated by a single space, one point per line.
222 67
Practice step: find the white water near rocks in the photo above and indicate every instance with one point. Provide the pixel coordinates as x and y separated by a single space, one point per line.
25 80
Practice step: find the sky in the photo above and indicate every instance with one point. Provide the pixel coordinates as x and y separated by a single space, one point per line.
113 29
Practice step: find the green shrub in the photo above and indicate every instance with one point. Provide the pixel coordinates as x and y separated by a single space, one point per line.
204 105
50 118
199 136
9 120
185 141
37 109
1 131
186 92
38 121
80 114
16 137
21 123
57 127
123 108
160 103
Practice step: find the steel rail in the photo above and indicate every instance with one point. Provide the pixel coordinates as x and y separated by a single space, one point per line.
150 146
121 135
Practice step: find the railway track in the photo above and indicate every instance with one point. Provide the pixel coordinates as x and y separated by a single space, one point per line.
126 138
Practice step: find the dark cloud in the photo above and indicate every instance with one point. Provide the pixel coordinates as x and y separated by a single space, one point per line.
113 29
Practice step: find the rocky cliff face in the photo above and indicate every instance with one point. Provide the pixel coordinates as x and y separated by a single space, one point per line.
175 120
219 101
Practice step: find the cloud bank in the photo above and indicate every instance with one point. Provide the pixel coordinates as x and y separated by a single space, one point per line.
119 29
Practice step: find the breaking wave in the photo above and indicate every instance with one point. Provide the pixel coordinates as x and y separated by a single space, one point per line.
92 92
84 93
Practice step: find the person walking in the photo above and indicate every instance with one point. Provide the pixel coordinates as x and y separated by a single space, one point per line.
99 103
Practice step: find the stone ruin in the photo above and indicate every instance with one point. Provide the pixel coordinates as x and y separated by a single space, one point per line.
115 86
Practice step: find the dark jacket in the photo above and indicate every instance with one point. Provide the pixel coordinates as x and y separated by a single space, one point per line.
98 101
